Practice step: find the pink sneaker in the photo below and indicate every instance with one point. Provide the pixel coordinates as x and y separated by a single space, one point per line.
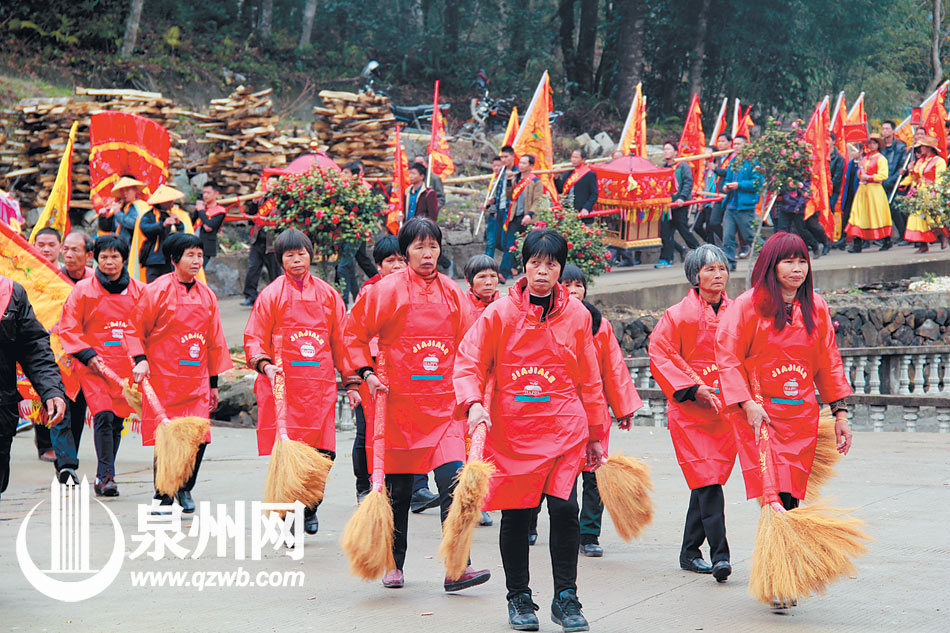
469 578
394 579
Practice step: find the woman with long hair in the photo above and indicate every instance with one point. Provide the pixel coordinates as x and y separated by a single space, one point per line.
776 345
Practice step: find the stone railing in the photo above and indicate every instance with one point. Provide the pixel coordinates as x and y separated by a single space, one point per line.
895 388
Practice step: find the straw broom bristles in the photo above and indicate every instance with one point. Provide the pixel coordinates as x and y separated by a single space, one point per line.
800 552
625 485
133 396
368 537
826 457
464 515
297 472
176 444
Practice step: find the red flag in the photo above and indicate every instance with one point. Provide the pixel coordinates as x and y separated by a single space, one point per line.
534 136
857 113
837 126
397 194
693 142
440 161
934 123
816 135
121 143
745 124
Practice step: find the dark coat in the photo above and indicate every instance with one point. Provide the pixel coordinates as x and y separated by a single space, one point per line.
895 155
24 340
427 206
585 191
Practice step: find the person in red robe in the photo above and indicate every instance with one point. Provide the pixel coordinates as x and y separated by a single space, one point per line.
775 346
481 273
97 328
683 363
621 395
545 420
388 260
296 329
185 350
419 316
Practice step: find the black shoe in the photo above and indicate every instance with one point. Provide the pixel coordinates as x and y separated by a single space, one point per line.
721 570
697 565
521 615
592 550
486 520
423 499
854 249
185 501
247 303
533 536
106 487
885 246
310 523
164 502
566 611
825 249
66 474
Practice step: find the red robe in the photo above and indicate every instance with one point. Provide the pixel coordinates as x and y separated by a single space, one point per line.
548 400
87 272
419 324
94 318
478 304
619 390
788 366
181 331
704 440
306 322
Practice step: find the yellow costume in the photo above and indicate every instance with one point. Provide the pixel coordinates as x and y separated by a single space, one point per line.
870 213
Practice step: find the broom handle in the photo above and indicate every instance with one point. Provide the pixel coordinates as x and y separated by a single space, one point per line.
107 372
478 442
153 401
280 398
379 426
769 493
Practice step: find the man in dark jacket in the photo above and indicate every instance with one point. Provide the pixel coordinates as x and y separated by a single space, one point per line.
894 152
24 340
211 216
836 165
677 220
420 200
581 184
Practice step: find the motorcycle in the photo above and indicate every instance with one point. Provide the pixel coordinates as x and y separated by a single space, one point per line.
418 116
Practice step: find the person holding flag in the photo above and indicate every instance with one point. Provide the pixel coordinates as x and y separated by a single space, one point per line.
499 202
580 184
525 196
120 217
870 213
153 228
676 218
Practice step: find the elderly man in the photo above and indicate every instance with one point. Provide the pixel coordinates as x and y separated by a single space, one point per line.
23 340
77 254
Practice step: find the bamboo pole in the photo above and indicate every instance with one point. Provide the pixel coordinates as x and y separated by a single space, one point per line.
687 159
558 168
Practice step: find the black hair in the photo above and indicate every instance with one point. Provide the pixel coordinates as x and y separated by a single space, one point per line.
494 158
673 143
355 166
48 230
292 240
110 242
573 273
176 244
211 184
87 242
889 122
727 135
478 263
596 318
582 151
544 243
418 228
419 167
743 137
385 246
507 149
530 157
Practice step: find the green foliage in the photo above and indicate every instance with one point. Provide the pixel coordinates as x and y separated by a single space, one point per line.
930 201
781 157
585 242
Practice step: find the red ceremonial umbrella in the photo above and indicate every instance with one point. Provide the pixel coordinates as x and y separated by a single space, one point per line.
641 191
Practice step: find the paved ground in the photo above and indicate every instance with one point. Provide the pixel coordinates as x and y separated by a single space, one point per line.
898 483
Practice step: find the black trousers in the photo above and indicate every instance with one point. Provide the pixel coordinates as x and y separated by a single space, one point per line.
564 541
365 262
76 418
43 440
813 224
400 494
107 428
795 223
898 217
678 222
705 521
190 484
9 417
592 509
154 272
257 259
360 464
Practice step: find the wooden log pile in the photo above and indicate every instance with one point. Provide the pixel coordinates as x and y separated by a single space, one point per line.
356 126
37 130
242 135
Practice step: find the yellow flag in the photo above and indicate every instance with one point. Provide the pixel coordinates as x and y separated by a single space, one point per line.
534 136
55 213
633 140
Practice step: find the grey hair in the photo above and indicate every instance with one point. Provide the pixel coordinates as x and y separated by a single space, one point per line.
696 259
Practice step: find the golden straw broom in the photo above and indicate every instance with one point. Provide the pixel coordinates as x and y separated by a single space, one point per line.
130 391
176 444
368 536
297 471
466 509
798 552
826 456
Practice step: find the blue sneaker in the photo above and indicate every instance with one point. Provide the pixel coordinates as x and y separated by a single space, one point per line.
663 263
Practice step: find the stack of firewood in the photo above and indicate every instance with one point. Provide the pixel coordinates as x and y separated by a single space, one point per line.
242 133
356 126
37 131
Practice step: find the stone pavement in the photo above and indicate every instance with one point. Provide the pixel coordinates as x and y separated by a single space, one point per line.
898 482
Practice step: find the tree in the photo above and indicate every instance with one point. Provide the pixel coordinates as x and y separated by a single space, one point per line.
579 57
936 34
131 29
267 17
698 53
626 53
309 11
